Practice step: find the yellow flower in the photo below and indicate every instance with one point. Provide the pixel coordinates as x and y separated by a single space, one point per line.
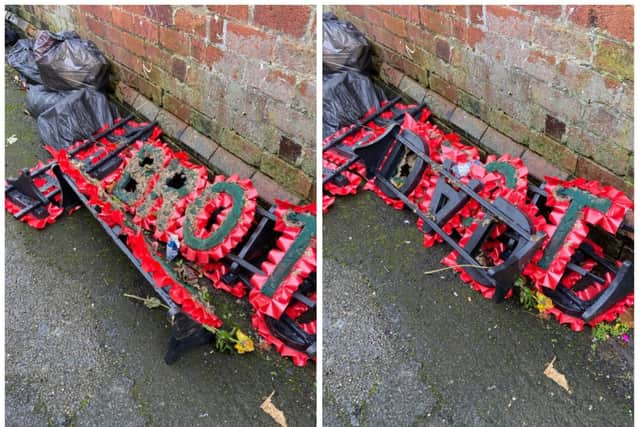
245 344
544 302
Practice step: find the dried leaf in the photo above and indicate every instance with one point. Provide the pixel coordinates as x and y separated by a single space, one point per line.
149 302
188 274
152 302
626 318
263 345
556 376
277 415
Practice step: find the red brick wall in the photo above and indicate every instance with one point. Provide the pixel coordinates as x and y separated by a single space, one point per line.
243 75
557 79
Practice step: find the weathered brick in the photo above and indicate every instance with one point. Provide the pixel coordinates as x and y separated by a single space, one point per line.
96 27
102 12
127 58
443 87
216 29
162 78
146 29
203 124
550 11
305 99
176 106
205 53
175 41
270 191
539 167
236 12
412 89
603 150
249 41
157 56
289 150
387 38
149 90
133 44
443 51
554 128
279 85
240 147
290 121
501 144
228 164
295 24
145 107
187 21
435 22
586 84
599 120
179 68
557 102
592 171
509 22
121 18
287 175
613 157
135 9
356 10
476 15
126 93
438 105
390 75
622 133
457 11
557 154
394 25
293 56
161 13
616 20
471 104
614 58
374 16
474 36
308 161
409 12
199 143
561 39
114 37
170 124
582 141
471 125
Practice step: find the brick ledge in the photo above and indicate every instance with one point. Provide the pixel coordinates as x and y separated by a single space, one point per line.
490 139
205 149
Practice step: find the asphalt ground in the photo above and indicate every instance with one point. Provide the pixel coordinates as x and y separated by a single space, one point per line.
80 353
403 348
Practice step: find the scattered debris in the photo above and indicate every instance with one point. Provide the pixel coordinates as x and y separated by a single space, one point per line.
277 415
560 379
626 318
149 302
12 139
